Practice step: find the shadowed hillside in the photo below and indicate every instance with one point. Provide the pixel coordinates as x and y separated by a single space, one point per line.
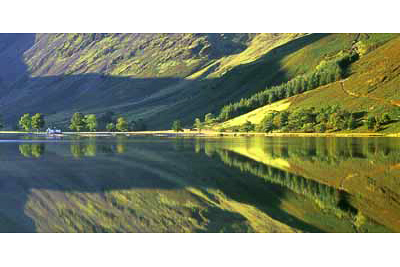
155 77
136 75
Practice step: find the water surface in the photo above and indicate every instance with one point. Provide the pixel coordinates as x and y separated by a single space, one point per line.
241 184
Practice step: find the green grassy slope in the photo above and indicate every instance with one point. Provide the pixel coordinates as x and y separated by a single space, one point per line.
156 77
372 86
136 75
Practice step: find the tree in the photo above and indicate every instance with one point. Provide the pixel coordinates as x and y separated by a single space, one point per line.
176 126
351 123
268 125
121 125
104 119
91 122
377 126
1 122
110 127
321 128
272 97
283 119
371 121
385 118
209 118
197 124
38 121
25 122
248 126
77 122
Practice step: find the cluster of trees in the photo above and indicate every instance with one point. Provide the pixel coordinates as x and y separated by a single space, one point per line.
376 122
108 121
209 119
309 120
80 122
326 72
36 122
331 118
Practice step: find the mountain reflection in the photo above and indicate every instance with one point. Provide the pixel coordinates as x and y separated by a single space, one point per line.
308 184
353 178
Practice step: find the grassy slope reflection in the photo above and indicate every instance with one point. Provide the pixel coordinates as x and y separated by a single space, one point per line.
149 188
363 173
133 185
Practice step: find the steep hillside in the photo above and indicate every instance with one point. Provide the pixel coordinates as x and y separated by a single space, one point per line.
155 77
137 75
371 88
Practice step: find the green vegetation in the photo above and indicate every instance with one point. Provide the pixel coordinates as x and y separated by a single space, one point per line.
158 78
26 122
327 72
307 120
177 126
77 122
32 150
91 122
110 127
121 125
197 124
38 121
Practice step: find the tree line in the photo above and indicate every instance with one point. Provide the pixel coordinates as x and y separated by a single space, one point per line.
310 120
108 121
80 122
325 73
28 122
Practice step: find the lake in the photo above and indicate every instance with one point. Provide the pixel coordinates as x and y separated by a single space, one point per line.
222 184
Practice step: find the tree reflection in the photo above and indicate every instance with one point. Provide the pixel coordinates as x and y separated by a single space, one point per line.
31 150
91 148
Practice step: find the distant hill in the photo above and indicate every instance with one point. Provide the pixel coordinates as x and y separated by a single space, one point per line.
156 77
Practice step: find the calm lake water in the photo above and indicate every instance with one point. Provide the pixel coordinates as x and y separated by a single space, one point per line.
241 184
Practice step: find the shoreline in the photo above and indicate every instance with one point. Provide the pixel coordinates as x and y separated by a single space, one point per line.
205 133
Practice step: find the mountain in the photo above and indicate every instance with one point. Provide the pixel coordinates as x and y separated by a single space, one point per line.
369 88
154 77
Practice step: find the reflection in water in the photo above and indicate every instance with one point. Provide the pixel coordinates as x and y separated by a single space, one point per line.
333 172
202 185
90 148
32 150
